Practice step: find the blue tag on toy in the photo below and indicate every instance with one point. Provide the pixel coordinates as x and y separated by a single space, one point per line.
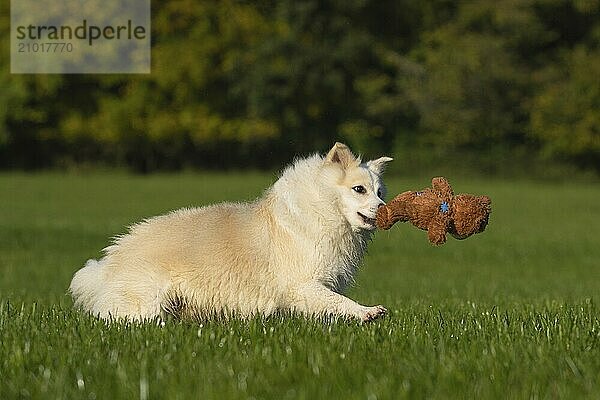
444 207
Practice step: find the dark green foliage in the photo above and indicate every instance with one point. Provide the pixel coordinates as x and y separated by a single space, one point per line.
238 84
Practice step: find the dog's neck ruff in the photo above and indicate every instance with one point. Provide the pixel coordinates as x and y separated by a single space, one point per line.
306 196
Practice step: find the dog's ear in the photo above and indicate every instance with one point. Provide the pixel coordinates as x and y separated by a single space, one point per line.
378 166
340 154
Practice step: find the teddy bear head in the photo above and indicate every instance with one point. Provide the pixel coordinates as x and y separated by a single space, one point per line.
470 215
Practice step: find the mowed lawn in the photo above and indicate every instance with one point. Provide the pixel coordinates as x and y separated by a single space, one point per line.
510 313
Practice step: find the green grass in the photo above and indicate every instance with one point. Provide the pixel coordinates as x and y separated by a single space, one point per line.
509 313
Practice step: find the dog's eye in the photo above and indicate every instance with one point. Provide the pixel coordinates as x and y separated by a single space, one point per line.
359 189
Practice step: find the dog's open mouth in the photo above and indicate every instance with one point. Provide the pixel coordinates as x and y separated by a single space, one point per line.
367 220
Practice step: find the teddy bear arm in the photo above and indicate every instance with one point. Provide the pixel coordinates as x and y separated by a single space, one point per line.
441 185
437 230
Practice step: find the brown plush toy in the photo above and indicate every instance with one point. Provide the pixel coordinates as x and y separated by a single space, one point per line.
438 211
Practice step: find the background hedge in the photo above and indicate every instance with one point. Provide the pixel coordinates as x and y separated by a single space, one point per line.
250 84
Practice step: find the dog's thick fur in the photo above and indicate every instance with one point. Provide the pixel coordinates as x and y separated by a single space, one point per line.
296 248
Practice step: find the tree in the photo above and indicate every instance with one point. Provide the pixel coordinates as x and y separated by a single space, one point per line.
565 115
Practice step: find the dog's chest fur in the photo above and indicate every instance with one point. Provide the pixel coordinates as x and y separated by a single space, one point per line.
330 253
337 268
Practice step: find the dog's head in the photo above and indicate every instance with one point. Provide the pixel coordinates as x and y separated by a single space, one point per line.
359 185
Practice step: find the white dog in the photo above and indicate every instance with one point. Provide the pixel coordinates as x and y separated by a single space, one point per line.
297 248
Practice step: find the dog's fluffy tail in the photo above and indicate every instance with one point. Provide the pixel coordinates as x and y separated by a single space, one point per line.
87 284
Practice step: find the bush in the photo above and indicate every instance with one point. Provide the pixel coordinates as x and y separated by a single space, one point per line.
237 84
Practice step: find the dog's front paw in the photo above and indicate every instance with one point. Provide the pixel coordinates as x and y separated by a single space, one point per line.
371 313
